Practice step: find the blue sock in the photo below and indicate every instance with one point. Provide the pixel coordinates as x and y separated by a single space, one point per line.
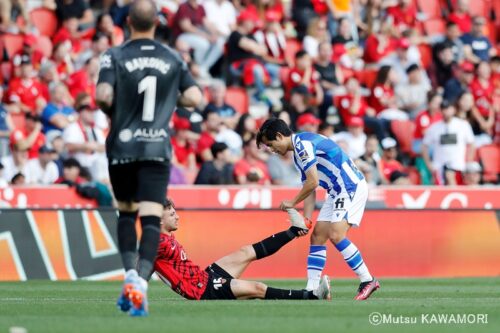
353 258
315 263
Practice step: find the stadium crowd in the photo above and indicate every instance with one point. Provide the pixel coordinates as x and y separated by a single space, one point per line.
409 89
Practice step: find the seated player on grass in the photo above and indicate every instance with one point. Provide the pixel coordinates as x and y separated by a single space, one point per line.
221 280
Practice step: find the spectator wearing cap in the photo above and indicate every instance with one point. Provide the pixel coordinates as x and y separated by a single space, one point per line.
461 17
482 125
30 137
299 104
222 15
71 173
86 143
304 74
455 86
184 156
354 136
25 92
219 171
29 49
245 57
426 118
412 97
477 47
353 104
308 122
193 27
472 174
57 115
217 94
442 68
452 144
6 126
15 163
42 170
78 9
252 168
452 39
388 163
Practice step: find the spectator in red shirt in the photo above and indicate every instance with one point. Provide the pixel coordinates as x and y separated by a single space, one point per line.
304 74
251 169
184 155
263 8
69 31
84 80
461 16
426 118
403 15
104 25
495 74
391 171
482 125
273 37
482 88
29 48
25 92
379 45
382 91
212 126
30 137
191 25
62 58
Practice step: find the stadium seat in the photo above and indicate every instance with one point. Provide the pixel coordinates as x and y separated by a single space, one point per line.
45 21
292 47
18 119
431 8
426 55
12 43
434 27
6 70
480 8
489 157
366 77
237 97
44 45
403 131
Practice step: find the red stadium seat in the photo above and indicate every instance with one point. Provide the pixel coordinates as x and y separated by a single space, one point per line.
431 8
6 69
479 8
45 21
237 97
434 27
490 159
403 131
366 77
18 119
426 55
44 45
12 43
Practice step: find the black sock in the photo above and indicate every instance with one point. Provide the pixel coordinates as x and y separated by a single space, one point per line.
275 293
272 244
127 239
149 245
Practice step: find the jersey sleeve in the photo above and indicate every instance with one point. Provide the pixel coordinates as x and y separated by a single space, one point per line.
107 73
186 80
306 156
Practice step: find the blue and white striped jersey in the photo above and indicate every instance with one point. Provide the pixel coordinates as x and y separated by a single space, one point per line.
337 172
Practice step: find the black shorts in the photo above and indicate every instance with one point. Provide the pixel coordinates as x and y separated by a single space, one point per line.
140 181
219 284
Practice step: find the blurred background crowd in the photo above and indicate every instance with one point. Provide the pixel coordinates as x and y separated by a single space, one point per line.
410 89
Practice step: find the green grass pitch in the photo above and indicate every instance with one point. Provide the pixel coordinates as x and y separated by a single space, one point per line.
42 306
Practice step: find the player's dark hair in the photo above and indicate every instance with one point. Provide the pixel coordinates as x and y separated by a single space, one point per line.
169 203
142 14
270 129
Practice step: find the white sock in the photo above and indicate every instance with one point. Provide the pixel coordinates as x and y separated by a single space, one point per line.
353 258
315 264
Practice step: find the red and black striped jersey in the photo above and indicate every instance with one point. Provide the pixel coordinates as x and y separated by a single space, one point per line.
176 270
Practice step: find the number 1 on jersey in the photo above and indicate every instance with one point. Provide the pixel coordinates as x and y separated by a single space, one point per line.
148 87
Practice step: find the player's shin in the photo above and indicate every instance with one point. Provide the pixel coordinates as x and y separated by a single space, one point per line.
316 261
149 245
127 239
275 242
353 258
275 293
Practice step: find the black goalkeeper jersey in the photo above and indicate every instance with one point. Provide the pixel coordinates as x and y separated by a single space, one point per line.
147 78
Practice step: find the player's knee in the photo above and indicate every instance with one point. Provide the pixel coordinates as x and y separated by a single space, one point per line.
336 236
260 289
247 252
318 238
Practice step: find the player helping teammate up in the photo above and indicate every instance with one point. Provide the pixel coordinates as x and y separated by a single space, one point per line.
322 162
221 280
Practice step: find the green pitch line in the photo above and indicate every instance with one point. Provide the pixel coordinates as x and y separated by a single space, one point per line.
53 307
